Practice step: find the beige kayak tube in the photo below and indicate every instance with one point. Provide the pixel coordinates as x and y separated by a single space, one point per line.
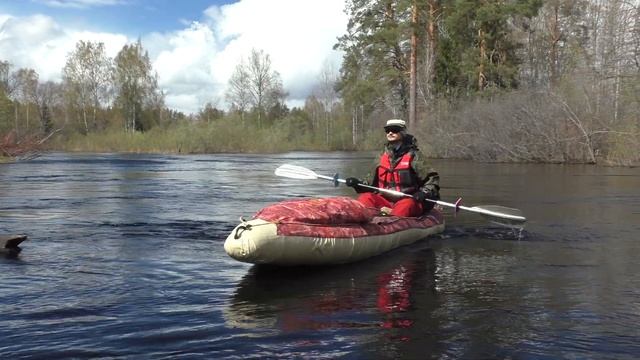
257 242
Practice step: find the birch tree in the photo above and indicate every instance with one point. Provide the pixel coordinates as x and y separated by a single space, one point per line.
255 84
5 67
87 75
134 84
325 93
264 82
27 81
5 102
238 95
20 87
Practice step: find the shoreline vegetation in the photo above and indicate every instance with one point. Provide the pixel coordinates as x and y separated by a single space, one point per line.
515 127
539 81
485 133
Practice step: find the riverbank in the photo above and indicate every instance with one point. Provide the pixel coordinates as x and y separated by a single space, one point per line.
199 139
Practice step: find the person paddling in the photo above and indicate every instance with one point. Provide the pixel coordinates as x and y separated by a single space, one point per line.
399 168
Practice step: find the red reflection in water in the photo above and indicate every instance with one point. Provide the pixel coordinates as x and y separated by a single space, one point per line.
394 297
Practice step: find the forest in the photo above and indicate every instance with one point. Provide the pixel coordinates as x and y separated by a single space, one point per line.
550 81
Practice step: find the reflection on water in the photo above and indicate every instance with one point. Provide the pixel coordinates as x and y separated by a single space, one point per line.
353 300
125 260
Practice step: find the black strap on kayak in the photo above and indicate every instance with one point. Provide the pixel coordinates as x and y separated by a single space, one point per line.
247 227
240 229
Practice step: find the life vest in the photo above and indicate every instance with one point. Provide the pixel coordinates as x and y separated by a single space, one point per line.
400 177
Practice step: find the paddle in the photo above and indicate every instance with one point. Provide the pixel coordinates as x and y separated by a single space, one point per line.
490 211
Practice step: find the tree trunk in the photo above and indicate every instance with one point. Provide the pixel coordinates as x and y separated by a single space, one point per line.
554 38
133 119
84 118
413 65
354 126
94 122
432 33
16 120
327 133
483 50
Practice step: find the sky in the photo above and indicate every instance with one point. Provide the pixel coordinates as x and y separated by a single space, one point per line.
194 45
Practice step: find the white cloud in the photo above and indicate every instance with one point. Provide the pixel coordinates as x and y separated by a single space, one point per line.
39 43
298 36
182 61
194 63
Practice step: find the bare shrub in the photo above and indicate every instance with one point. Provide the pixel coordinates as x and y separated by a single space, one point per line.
531 126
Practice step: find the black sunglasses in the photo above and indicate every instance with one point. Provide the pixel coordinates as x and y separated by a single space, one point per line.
393 129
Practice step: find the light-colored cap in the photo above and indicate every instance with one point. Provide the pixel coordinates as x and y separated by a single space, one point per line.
396 122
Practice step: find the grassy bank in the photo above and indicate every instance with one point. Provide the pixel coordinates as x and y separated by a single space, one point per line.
197 138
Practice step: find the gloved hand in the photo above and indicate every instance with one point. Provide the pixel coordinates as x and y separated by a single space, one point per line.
352 182
420 196
432 192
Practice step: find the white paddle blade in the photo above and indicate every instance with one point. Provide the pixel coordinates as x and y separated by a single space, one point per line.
501 212
295 172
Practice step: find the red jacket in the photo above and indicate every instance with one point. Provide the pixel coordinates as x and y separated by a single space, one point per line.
400 176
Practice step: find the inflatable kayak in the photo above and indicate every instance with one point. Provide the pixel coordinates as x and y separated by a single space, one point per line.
324 231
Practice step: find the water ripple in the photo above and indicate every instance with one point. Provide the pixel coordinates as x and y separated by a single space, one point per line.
125 260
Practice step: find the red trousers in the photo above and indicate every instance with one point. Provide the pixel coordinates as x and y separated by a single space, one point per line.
407 207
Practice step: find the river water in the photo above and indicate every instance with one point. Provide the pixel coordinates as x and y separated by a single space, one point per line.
125 259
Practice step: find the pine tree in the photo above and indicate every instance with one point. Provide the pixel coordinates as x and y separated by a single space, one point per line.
375 69
479 50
